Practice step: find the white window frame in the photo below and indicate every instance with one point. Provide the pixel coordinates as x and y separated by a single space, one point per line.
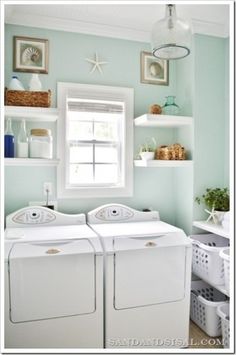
101 92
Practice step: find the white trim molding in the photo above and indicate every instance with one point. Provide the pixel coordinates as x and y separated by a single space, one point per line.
53 23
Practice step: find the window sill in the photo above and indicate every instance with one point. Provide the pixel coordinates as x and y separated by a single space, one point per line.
95 192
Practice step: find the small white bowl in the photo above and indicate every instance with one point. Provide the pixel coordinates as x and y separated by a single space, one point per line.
147 155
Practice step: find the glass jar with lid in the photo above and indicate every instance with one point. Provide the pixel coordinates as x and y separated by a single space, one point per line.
40 143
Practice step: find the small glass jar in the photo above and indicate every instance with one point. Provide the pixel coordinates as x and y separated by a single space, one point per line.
40 143
170 107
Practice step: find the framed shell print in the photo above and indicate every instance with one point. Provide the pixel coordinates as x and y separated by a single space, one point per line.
30 55
154 70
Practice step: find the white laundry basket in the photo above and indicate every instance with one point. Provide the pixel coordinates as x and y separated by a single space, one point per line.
224 254
204 302
206 262
223 313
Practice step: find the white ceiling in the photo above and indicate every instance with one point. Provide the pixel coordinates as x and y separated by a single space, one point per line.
129 21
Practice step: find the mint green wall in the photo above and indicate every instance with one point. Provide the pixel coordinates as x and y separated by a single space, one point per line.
152 187
210 115
227 114
184 177
67 62
198 79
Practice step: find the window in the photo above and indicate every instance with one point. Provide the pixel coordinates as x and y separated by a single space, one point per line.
95 141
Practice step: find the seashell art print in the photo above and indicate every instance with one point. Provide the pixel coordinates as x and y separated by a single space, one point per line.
31 55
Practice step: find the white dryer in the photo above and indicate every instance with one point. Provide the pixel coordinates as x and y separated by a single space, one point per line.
147 278
53 281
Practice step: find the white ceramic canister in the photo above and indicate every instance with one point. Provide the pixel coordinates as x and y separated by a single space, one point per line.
40 143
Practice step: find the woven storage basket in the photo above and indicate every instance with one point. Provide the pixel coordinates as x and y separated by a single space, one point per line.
28 98
177 152
171 152
162 153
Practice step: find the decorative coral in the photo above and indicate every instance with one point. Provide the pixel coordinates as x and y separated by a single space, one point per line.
155 109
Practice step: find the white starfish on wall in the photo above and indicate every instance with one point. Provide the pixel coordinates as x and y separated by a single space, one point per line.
96 64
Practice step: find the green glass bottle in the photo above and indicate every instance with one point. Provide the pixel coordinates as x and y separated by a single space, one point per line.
170 107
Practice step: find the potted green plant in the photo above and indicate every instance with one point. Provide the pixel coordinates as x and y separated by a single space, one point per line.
217 200
147 150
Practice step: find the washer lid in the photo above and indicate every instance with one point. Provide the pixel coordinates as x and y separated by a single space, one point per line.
51 279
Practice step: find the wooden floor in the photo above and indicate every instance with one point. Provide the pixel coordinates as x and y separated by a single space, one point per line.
199 339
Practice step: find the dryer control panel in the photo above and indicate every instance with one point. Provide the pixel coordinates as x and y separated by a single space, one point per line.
114 213
37 216
119 213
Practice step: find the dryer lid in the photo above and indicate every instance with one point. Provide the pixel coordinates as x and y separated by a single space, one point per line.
134 228
149 269
161 240
149 276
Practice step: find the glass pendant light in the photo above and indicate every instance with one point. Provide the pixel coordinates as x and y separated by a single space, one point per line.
171 37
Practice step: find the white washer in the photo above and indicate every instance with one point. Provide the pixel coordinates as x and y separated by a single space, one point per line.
53 281
147 278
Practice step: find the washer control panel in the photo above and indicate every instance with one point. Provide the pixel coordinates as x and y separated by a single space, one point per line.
34 216
38 215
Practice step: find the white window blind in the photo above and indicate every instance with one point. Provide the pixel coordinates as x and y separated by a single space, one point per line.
94 137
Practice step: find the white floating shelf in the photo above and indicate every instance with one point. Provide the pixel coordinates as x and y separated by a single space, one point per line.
163 163
150 120
32 114
212 227
30 162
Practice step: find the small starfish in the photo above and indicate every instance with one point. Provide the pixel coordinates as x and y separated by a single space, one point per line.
96 64
212 215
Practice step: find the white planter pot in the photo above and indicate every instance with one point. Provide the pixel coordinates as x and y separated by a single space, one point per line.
219 216
147 155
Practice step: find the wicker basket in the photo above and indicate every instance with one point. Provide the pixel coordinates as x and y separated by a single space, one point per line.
28 98
177 152
171 152
162 153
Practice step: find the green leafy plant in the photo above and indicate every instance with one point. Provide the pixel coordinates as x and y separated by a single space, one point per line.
215 198
149 145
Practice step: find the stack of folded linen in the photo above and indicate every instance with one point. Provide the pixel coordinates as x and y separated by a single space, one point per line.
226 220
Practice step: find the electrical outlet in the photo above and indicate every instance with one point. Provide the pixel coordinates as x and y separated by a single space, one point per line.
47 188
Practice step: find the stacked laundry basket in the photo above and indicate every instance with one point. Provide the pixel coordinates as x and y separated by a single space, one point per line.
209 294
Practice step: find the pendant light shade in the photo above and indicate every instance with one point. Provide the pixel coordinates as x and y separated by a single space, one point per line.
171 37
